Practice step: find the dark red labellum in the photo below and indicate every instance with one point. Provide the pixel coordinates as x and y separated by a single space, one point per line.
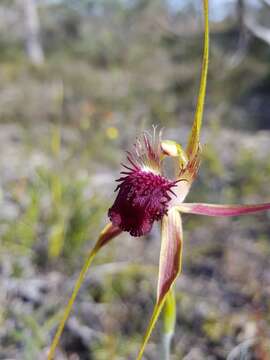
143 197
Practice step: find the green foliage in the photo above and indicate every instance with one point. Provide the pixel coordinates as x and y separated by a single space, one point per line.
67 219
56 207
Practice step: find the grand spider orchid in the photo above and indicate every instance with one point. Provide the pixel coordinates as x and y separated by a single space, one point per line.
146 194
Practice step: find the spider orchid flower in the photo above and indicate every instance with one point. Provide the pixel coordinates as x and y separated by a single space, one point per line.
146 194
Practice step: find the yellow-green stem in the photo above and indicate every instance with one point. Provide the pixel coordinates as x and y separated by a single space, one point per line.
157 309
169 318
69 306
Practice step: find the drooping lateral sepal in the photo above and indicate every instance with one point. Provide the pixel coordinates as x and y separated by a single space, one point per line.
169 266
170 252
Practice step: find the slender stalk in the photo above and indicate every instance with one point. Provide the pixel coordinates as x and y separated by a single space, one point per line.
169 318
69 306
157 309
108 233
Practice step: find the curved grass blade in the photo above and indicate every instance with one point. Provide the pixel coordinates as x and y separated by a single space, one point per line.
194 137
169 266
221 210
109 232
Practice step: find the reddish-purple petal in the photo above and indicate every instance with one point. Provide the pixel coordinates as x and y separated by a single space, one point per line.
221 210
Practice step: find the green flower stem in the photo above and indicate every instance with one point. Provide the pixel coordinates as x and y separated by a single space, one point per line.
169 318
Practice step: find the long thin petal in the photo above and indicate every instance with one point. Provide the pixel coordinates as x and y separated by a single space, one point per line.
169 266
108 233
221 210
194 137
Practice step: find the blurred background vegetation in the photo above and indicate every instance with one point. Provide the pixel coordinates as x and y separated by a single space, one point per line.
79 80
